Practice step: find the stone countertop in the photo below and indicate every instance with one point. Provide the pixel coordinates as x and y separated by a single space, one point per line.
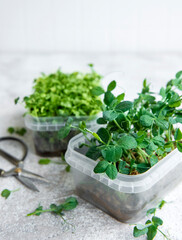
16 74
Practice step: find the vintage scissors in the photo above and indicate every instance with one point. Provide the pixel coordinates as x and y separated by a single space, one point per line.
21 174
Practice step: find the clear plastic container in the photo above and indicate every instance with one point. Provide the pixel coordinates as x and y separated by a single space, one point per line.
45 133
127 198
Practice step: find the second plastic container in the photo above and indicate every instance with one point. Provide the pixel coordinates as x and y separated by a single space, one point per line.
128 197
45 133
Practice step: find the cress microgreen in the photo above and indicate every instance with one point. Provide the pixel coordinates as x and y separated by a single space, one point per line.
17 130
134 135
6 192
151 226
64 94
69 204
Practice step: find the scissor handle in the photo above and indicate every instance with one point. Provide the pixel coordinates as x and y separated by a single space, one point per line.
11 158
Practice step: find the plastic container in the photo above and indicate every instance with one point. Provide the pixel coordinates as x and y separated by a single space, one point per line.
127 198
45 133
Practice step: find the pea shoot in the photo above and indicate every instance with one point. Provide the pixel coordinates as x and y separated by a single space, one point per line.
6 192
151 226
69 204
135 135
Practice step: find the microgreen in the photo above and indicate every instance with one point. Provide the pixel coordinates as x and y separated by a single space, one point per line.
17 130
46 161
134 135
151 226
69 204
6 192
61 94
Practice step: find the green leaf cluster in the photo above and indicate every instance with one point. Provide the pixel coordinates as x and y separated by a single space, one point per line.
69 204
17 130
135 135
151 226
64 94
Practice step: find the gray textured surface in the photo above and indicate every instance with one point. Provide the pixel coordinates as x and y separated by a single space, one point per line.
16 74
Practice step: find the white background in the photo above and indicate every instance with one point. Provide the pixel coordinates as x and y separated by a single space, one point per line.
90 25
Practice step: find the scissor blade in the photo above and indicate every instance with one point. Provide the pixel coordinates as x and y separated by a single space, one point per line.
27 183
33 176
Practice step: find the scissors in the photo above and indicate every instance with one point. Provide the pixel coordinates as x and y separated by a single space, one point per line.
21 174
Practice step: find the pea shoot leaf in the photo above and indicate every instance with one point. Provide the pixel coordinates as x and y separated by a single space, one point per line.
97 91
110 115
124 106
137 232
111 171
93 153
5 193
127 142
178 134
112 153
108 98
111 86
44 161
101 167
152 231
146 120
103 134
179 146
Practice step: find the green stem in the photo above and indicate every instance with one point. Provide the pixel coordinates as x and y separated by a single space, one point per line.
15 190
59 163
39 211
163 234
118 125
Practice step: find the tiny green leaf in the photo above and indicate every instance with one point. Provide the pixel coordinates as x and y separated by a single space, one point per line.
124 106
158 140
11 130
101 167
44 161
5 193
112 153
177 134
111 171
146 120
151 211
179 146
16 100
162 124
97 91
64 131
153 160
122 165
93 153
161 204
111 86
127 142
101 121
69 204
179 74
152 231
108 98
110 115
157 221
103 134
140 226
120 97
138 233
